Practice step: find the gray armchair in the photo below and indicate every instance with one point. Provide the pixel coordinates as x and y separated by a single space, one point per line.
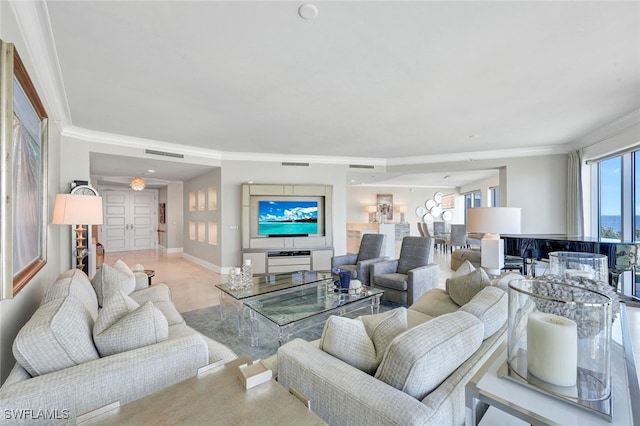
359 263
407 278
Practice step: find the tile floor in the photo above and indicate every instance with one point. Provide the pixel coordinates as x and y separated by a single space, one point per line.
192 286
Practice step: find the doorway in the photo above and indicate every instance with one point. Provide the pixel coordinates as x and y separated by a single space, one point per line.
130 219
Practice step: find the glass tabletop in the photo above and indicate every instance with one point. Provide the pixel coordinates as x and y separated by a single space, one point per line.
296 304
269 283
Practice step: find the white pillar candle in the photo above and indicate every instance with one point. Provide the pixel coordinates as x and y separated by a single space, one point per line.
247 262
552 348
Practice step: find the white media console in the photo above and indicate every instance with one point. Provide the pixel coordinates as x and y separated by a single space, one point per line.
279 261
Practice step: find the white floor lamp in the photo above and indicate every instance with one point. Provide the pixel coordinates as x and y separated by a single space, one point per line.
79 210
493 221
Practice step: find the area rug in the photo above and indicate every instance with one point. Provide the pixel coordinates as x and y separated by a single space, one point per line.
209 322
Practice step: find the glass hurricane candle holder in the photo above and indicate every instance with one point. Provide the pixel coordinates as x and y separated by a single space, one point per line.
559 338
575 264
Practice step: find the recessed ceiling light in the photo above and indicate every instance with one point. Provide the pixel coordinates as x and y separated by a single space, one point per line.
308 11
474 136
151 171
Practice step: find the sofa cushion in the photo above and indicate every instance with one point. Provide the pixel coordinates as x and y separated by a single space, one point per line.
74 282
490 306
123 325
110 279
503 281
462 288
394 281
418 360
160 295
361 342
434 302
57 336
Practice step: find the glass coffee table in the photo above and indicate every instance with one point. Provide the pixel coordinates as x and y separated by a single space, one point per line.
265 284
297 309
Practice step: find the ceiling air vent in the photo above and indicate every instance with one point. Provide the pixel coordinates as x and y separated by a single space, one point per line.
164 154
289 163
360 166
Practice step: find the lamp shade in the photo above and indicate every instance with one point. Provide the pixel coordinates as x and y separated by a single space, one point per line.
494 220
71 209
137 184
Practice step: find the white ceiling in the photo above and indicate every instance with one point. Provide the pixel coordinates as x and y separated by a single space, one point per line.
380 80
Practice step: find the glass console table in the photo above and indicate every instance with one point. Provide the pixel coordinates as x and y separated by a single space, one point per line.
491 399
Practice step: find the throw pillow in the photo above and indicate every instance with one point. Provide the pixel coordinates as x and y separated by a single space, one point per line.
362 342
464 269
123 325
383 328
422 357
57 336
347 340
463 288
110 279
490 306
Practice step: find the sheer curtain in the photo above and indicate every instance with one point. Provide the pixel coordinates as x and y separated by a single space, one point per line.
575 219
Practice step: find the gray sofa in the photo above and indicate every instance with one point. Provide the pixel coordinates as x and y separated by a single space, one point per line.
431 392
65 368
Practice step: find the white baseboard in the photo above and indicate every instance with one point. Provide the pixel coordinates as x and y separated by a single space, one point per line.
211 266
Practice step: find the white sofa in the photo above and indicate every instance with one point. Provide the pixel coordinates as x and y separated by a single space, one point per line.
430 386
64 369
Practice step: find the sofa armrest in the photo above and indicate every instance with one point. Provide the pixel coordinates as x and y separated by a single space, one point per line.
123 377
341 394
421 280
345 259
142 280
364 267
383 267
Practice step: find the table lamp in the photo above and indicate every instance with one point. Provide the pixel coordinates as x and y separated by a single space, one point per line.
493 221
79 210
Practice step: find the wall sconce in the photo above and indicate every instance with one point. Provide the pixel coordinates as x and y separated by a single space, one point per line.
402 210
372 210
137 184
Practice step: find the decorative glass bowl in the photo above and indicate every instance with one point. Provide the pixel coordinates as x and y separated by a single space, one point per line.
559 338
579 265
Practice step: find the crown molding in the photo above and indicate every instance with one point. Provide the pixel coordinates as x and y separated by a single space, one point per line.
481 155
318 159
33 22
134 142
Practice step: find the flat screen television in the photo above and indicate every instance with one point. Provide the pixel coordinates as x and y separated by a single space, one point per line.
287 217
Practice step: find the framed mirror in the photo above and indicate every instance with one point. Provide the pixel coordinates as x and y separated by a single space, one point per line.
438 197
430 204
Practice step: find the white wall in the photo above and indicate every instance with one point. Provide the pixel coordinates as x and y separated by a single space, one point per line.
15 312
175 215
204 252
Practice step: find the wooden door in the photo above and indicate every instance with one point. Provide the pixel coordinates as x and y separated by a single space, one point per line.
130 220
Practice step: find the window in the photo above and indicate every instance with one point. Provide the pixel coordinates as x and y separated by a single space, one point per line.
494 196
636 196
472 199
616 197
610 199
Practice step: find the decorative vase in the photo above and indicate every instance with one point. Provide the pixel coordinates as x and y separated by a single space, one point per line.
558 338
570 264
345 279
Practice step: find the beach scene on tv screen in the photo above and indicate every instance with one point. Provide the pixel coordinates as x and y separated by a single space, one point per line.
288 217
